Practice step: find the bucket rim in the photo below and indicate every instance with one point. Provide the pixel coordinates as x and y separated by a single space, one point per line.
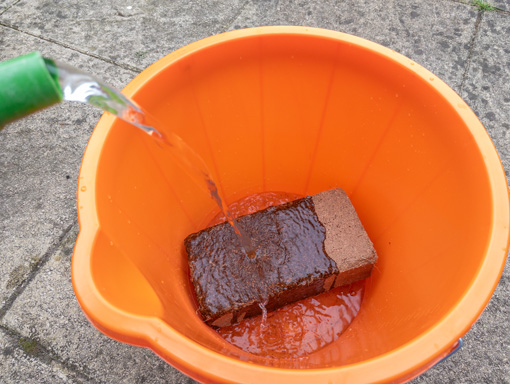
202 363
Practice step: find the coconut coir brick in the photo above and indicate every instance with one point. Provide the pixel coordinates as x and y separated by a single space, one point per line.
303 248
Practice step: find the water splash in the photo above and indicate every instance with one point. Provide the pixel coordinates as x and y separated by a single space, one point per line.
299 329
263 307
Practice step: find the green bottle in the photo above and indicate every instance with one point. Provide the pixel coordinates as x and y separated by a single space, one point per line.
26 86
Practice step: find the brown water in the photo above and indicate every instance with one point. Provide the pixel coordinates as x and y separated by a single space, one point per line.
83 88
298 329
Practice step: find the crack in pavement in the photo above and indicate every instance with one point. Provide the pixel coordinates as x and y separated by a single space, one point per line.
472 4
229 23
9 7
127 67
472 43
34 269
29 345
35 349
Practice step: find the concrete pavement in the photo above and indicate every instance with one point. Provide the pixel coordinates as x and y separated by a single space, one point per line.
44 337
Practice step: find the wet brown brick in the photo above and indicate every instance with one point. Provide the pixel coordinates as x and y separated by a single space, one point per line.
303 248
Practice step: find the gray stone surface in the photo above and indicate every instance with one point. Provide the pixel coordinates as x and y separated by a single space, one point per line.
44 337
62 330
434 34
4 4
20 362
501 4
133 33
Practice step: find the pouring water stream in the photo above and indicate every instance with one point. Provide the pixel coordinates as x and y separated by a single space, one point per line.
83 88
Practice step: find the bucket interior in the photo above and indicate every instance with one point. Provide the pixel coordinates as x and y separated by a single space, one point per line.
298 115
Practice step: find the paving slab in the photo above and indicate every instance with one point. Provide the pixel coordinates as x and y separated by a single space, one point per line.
434 34
19 363
487 84
47 314
39 163
4 4
501 4
135 33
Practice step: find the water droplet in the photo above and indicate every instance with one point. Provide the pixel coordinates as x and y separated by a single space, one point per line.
262 306
431 79
81 206
129 221
109 197
411 63
83 189
111 243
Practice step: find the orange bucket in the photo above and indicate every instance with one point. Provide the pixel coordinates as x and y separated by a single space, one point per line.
297 110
